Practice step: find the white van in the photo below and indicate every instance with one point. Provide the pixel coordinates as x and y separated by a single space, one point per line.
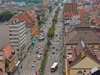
39 57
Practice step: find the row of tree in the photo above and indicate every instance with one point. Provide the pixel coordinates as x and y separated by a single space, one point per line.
5 16
54 20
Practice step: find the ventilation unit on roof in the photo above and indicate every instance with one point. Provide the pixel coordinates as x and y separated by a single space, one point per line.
83 45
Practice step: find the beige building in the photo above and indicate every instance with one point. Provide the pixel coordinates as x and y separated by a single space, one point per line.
82 59
11 56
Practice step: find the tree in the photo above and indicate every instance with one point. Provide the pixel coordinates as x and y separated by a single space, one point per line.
50 8
5 16
38 17
6 63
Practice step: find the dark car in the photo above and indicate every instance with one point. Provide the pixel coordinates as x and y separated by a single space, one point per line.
56 49
53 52
53 47
37 51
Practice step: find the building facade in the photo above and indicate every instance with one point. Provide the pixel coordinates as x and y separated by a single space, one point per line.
17 34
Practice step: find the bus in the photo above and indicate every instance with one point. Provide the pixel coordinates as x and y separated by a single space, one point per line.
54 67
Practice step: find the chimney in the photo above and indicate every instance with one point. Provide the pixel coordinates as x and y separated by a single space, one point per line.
82 54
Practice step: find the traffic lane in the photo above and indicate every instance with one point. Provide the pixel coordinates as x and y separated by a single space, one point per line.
53 58
36 67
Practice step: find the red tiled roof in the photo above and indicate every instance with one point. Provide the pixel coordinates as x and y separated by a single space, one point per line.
30 16
22 17
7 52
95 20
69 14
82 11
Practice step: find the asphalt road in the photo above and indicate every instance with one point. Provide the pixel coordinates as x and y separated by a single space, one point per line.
31 55
57 42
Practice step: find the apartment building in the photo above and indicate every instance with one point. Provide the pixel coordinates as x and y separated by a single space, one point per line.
17 33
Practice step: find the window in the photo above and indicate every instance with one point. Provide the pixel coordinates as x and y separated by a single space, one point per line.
92 46
98 46
71 47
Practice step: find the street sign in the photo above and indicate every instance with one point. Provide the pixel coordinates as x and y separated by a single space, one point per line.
32 41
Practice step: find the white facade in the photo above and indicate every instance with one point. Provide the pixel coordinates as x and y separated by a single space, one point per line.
28 34
17 34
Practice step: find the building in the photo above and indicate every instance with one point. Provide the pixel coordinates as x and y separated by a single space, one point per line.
95 71
17 34
30 20
70 7
45 2
80 32
71 18
82 59
2 63
11 57
4 35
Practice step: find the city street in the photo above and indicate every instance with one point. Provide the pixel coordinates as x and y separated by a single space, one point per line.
57 42
32 57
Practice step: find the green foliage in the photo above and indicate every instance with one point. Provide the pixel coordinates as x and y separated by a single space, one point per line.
50 8
43 62
6 63
38 17
55 18
62 4
27 1
40 22
39 27
56 3
48 44
5 16
51 32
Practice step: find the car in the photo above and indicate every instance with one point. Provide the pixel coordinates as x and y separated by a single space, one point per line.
53 47
39 57
41 53
57 40
39 47
56 49
53 52
33 65
37 51
34 60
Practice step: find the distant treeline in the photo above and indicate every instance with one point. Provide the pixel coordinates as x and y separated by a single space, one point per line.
5 16
27 1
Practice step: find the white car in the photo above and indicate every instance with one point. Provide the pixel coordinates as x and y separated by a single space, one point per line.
32 65
41 49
